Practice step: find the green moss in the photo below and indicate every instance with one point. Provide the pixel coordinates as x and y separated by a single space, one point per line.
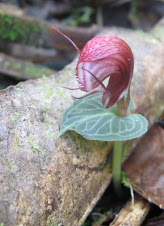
18 89
33 71
49 136
16 29
44 219
35 147
65 74
48 92
146 36
34 195
59 81
158 108
101 178
46 118
51 221
101 218
15 117
65 214
101 167
7 64
27 70
11 169
124 179
44 168
17 142
53 179
159 32
46 108
86 158
89 145
61 93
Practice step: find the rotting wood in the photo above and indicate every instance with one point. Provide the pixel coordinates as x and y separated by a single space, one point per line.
132 214
45 179
22 70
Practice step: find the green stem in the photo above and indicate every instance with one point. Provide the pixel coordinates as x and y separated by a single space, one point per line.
116 167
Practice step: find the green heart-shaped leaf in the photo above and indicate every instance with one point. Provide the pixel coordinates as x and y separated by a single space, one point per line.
93 121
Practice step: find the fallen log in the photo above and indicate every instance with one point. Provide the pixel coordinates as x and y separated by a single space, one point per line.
48 180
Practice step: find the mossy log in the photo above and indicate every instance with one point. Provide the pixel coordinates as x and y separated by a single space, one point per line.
18 28
47 180
31 39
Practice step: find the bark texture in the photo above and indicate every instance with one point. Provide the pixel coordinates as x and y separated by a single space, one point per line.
45 179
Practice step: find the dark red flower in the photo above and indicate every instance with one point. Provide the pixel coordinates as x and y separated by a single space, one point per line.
105 57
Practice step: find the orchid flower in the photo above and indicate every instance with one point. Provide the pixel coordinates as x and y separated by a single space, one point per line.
105 65
104 57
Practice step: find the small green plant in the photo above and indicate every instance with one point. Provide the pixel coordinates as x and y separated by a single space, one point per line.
104 112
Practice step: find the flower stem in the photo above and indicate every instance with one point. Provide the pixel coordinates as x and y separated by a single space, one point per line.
116 167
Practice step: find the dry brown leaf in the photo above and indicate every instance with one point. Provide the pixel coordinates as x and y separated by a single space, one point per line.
145 166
